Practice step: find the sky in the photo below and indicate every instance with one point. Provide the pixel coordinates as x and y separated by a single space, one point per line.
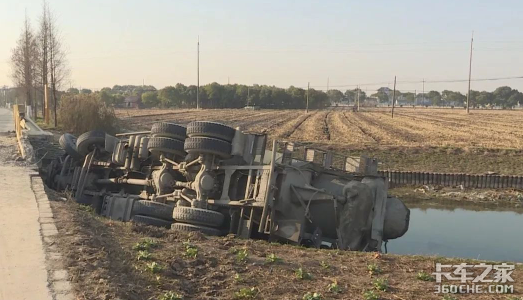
280 42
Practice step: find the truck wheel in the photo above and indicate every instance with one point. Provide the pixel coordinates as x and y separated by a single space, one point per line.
211 130
153 209
197 216
87 141
159 145
68 143
190 228
205 145
151 221
169 130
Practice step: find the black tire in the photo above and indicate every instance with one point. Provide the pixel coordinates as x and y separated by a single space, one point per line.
87 141
165 145
153 209
151 221
191 228
211 130
205 145
197 216
169 130
68 143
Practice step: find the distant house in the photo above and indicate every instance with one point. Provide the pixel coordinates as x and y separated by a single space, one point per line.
132 102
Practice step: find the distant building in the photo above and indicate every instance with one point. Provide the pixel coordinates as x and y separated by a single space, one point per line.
370 101
132 102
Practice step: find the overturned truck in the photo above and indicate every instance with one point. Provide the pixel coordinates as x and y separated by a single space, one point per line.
215 179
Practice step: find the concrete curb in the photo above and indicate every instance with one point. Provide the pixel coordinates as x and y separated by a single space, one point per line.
57 276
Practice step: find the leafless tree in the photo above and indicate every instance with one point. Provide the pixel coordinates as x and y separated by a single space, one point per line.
58 68
23 61
43 46
53 61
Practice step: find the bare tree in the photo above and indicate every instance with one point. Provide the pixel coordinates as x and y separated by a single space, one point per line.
43 45
52 66
58 69
23 61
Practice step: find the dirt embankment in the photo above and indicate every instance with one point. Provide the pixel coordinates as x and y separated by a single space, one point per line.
113 260
434 195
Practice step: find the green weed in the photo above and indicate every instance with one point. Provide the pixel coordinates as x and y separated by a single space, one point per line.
312 296
381 284
170 296
246 293
302 274
374 269
324 265
241 255
424 276
371 295
272 258
334 287
146 244
143 255
154 267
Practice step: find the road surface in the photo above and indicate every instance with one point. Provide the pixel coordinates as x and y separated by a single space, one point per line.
23 272
6 120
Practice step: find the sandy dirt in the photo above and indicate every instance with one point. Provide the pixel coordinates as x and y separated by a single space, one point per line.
102 257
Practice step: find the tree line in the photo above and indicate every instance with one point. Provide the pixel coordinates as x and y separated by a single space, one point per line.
215 95
39 60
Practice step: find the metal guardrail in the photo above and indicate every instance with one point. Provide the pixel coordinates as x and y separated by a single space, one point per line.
454 179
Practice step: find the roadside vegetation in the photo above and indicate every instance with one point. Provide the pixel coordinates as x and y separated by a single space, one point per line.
80 113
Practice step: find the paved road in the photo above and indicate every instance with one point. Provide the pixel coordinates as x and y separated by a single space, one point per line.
6 120
23 273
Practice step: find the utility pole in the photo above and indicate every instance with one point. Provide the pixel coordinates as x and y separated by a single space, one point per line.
327 84
198 75
423 92
358 97
228 80
415 100
470 71
394 97
307 107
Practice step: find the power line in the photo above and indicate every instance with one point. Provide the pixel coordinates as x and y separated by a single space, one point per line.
424 81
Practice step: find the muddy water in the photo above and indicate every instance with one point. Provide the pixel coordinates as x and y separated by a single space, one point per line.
463 232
